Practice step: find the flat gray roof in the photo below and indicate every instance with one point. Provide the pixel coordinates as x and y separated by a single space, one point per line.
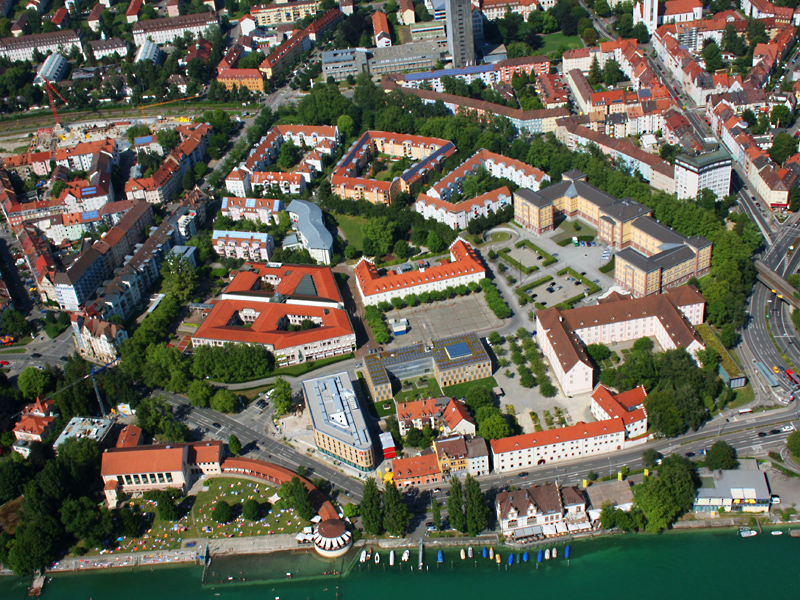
335 411
743 485
311 225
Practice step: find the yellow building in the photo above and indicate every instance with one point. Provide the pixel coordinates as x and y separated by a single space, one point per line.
650 257
451 454
288 12
252 79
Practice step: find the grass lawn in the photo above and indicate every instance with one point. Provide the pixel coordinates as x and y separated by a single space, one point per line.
303 368
235 491
385 408
253 393
554 41
499 236
9 515
431 390
352 228
743 396
460 390
16 351
567 230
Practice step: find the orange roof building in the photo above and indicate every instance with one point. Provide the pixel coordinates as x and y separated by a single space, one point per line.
307 324
416 470
629 406
419 413
138 469
463 268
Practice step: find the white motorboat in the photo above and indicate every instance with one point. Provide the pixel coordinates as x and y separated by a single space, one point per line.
391 558
491 553
747 532
377 558
463 554
469 552
555 553
363 556
777 533
406 555
547 554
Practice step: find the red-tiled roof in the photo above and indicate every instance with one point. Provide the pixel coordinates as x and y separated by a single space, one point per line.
614 408
555 436
415 466
455 412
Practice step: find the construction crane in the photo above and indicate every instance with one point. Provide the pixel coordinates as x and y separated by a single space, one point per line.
141 107
50 91
95 370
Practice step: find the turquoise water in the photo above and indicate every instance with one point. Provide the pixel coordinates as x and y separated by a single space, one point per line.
707 565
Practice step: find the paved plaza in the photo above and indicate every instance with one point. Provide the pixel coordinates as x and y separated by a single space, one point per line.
444 319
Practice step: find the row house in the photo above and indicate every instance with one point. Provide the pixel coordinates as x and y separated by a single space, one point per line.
445 414
553 91
302 41
243 244
582 58
764 9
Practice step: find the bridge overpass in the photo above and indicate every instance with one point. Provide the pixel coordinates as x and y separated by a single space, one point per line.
777 284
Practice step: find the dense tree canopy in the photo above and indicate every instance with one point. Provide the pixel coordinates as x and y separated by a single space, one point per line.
664 498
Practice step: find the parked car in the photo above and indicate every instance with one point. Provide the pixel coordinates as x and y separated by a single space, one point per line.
761 434
36 355
785 428
4 363
217 425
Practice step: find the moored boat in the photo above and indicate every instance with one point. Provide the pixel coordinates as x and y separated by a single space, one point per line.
539 556
363 556
525 557
440 557
469 552
547 554
391 558
369 554
777 533
566 552
406 556
747 532
497 558
377 557
491 553
555 552
485 552
463 554
518 558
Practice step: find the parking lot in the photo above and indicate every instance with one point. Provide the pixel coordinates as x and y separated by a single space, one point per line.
444 319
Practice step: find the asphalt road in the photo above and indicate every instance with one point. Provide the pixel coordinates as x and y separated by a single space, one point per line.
249 428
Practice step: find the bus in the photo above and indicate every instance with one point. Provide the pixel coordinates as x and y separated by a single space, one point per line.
744 411
792 377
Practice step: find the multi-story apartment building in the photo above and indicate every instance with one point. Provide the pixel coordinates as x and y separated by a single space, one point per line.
337 420
260 210
252 79
248 245
563 334
451 454
96 339
629 406
310 231
500 72
163 31
23 47
283 12
711 171
457 216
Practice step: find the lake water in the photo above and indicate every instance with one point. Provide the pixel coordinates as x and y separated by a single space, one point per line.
707 565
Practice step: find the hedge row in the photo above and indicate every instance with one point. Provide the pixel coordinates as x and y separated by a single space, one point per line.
374 318
495 300
428 297
607 268
549 259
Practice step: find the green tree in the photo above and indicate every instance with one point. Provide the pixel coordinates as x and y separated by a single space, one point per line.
455 505
650 458
281 396
223 512
721 455
434 242
494 427
168 139
224 401
598 352
781 116
395 514
234 445
371 513
602 8
494 338
783 146
13 323
381 232
346 126
33 383
478 396
288 156
477 511
436 512
301 502
664 498
401 249
643 344
87 521
612 73
180 277
251 509
595 72
188 180
200 393
712 57
793 443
